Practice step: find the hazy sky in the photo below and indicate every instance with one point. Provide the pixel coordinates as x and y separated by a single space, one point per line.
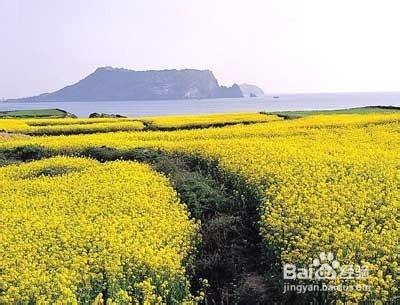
280 45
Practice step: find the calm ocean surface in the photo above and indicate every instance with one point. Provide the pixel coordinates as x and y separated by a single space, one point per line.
267 103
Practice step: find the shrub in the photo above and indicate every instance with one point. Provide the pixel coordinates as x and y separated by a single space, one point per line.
27 153
102 153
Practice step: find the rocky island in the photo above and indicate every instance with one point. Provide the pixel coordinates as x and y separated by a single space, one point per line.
117 84
251 90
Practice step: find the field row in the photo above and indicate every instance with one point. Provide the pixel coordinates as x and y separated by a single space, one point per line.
69 126
122 233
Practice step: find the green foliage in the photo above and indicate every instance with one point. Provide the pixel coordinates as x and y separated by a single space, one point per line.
360 110
200 193
26 153
102 153
36 113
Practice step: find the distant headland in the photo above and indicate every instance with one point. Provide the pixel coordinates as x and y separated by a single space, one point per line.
118 84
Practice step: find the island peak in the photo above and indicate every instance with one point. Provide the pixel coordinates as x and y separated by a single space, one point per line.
117 84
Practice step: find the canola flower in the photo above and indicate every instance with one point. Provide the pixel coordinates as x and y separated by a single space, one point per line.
68 126
330 184
84 128
73 231
73 121
320 196
11 125
185 121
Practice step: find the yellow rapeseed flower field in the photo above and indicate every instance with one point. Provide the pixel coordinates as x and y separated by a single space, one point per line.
68 126
95 127
329 184
73 121
73 230
13 125
185 121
